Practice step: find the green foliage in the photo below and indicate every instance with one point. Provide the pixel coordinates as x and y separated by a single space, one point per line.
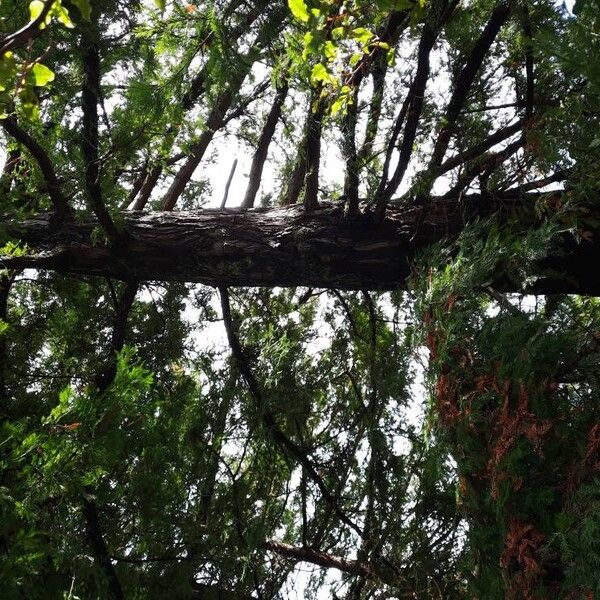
21 73
480 483
513 395
334 44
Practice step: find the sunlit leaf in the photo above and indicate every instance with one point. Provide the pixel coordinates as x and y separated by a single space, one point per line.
41 74
35 9
62 14
299 10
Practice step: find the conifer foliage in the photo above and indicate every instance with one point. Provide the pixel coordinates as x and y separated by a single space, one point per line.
365 365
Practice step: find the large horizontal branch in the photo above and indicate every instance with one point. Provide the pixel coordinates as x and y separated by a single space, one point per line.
291 247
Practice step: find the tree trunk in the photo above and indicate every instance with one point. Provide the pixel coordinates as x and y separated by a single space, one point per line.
289 246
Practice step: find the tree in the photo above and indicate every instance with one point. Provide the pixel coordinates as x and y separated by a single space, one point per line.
143 458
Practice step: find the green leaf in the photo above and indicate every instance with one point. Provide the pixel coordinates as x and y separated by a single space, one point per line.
330 50
62 14
355 59
394 4
299 10
337 33
313 41
8 71
29 103
319 73
84 8
14 249
35 9
160 4
41 74
337 106
362 36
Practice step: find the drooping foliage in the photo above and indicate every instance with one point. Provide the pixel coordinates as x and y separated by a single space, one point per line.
167 439
513 396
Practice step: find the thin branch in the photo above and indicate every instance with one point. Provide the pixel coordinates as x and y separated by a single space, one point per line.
262 148
196 153
415 104
478 149
146 190
94 533
13 159
61 206
393 138
269 420
239 110
503 301
217 115
106 375
314 126
486 166
348 312
529 74
351 181
136 186
6 281
296 178
388 34
464 81
89 104
322 559
561 175
415 101
104 378
378 76
195 91
492 107
228 184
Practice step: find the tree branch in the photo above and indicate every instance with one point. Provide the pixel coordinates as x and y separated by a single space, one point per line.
478 149
489 164
61 207
262 147
415 106
314 126
195 91
286 246
26 33
321 559
217 115
269 420
465 80
529 74
106 375
89 105
351 179
94 533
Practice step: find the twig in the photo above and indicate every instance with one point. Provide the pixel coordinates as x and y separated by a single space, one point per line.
231 174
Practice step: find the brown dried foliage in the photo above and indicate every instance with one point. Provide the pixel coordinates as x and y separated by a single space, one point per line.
519 559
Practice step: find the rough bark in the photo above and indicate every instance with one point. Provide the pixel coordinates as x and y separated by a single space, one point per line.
289 246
